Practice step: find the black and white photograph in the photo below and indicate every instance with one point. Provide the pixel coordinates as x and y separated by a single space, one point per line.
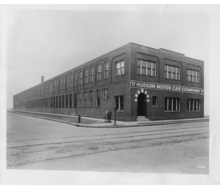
109 89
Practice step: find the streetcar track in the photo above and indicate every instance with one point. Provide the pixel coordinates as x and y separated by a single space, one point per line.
101 139
96 152
115 134
165 129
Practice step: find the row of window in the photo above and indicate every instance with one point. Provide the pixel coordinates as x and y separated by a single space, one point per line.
143 68
65 101
170 72
86 99
173 104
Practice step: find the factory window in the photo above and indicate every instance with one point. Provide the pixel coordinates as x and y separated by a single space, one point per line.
68 81
90 98
75 84
193 105
70 100
51 102
80 99
60 105
63 101
85 99
154 100
172 104
63 83
80 78
86 77
99 72
98 98
119 102
57 105
91 74
71 80
192 76
105 94
75 100
106 73
67 101
172 72
146 68
120 69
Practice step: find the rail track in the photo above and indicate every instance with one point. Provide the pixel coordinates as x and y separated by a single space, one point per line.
30 151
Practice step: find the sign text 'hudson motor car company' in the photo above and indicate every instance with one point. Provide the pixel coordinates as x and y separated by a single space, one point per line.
166 87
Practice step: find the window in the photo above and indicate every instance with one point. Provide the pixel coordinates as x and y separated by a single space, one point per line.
80 98
172 72
146 68
91 98
80 78
63 101
75 100
57 105
192 76
86 76
154 100
119 68
172 104
63 83
98 99
105 94
60 102
75 84
119 102
193 105
51 87
70 100
92 74
67 101
69 80
99 72
85 99
106 73
55 85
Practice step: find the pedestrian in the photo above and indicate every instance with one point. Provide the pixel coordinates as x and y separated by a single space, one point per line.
109 115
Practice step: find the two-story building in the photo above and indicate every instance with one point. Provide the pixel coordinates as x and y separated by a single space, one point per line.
142 82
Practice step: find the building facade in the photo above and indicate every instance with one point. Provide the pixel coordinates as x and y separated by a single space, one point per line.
139 81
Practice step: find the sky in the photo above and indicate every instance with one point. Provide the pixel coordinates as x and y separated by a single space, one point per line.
49 42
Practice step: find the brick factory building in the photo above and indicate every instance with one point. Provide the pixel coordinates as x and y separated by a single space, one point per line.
142 82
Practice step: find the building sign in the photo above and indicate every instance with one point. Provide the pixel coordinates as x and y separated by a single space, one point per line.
166 87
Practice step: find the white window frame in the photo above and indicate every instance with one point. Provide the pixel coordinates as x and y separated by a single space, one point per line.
120 68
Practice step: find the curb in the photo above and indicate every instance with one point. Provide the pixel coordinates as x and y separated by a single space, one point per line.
112 126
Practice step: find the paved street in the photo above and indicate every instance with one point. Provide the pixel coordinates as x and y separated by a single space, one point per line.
34 143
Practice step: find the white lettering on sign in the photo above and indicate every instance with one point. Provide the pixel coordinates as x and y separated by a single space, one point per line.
166 87
133 83
163 87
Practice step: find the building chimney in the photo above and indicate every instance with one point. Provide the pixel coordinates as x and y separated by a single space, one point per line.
42 79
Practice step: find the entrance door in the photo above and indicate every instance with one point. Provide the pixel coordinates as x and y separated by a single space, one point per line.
141 105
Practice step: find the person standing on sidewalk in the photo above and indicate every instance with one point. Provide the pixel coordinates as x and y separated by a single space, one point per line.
109 115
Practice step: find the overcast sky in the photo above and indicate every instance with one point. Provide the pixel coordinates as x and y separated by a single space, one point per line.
49 42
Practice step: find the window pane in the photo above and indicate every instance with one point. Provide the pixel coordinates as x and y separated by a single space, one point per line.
122 64
174 104
121 103
118 65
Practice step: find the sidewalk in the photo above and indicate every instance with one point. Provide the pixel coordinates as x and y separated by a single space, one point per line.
100 123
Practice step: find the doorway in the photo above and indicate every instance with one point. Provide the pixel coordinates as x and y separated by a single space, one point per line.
142 105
